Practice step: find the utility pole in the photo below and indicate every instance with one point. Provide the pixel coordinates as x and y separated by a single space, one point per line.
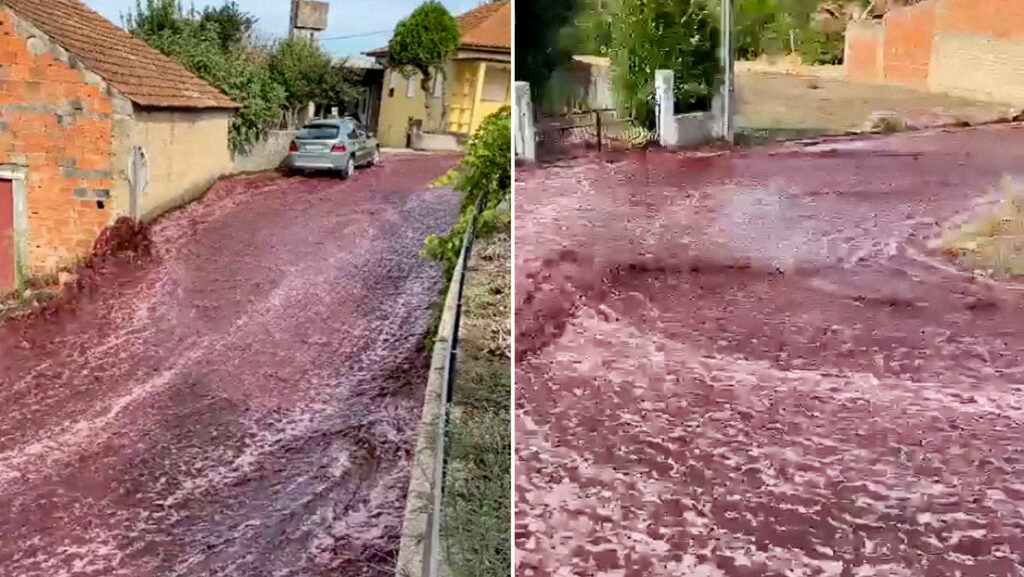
727 71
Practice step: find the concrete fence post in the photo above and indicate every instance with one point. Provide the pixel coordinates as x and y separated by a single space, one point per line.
665 103
526 139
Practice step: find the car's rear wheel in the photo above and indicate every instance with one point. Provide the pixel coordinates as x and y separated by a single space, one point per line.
350 168
375 159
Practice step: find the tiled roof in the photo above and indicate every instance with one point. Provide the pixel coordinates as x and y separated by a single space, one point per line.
139 72
488 26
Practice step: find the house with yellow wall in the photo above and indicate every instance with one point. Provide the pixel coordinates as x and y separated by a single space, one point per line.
477 80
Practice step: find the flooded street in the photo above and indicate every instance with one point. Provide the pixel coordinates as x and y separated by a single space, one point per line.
242 404
758 364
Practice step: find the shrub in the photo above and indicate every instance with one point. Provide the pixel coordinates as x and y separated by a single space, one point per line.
678 35
307 74
538 49
814 28
484 176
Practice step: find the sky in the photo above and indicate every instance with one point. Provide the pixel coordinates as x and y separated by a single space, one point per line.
374 18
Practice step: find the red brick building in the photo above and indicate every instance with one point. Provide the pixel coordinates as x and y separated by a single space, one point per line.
79 98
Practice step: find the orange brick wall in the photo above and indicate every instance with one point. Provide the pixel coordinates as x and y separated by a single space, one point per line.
1003 19
979 50
60 127
909 33
865 42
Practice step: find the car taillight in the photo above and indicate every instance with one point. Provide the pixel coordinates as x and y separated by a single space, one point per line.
339 148
294 147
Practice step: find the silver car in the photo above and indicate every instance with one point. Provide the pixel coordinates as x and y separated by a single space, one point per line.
337 144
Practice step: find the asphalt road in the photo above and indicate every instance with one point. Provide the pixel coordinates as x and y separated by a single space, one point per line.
759 364
243 403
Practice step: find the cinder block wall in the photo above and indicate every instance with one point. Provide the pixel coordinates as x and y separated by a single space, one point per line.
56 126
979 50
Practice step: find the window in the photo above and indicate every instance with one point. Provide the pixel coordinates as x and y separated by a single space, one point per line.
392 82
410 89
496 81
318 132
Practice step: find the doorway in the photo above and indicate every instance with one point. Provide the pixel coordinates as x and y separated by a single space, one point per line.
8 277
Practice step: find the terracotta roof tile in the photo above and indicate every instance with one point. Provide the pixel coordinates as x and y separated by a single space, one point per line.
139 72
488 26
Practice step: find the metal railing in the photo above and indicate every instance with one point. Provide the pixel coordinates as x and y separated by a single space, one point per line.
423 555
447 395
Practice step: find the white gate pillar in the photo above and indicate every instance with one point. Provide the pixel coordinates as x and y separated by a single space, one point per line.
665 103
526 139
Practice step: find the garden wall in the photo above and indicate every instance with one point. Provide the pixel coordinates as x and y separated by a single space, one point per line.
971 48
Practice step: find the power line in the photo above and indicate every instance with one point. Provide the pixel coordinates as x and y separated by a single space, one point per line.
363 35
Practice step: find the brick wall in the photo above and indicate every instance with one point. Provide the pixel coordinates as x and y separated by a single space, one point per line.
865 43
979 50
999 19
971 48
56 122
908 44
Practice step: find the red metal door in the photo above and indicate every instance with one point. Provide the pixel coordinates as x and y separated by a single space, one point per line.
6 237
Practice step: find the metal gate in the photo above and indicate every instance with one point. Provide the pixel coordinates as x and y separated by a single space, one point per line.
591 130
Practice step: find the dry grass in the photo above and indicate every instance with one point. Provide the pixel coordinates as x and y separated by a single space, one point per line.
993 242
834 105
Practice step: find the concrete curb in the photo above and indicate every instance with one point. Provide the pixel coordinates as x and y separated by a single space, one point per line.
417 545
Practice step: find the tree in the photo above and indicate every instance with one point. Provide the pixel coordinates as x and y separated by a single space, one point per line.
232 24
591 33
155 17
307 75
814 28
423 43
678 35
231 65
538 34
298 66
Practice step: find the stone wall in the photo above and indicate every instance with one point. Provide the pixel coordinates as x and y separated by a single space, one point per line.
57 127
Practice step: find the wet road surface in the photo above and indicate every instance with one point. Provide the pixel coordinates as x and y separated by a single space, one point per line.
243 404
757 364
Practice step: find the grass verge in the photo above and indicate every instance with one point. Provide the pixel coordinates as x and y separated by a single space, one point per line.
994 241
477 528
